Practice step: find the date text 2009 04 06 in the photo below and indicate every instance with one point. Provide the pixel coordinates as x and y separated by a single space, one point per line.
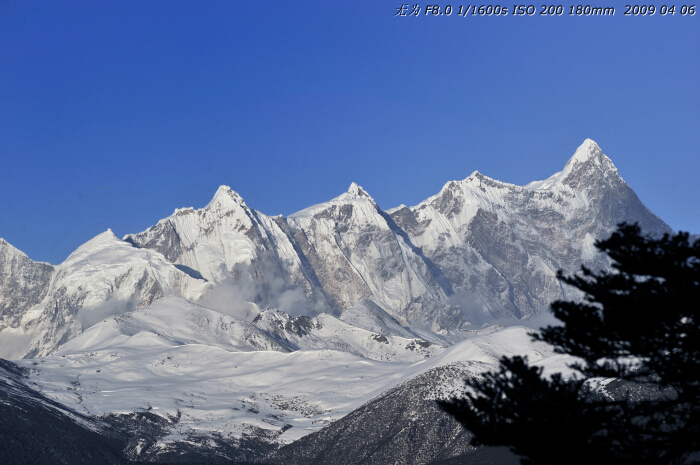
544 10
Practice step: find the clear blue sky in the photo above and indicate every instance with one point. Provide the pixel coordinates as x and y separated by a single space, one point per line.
114 113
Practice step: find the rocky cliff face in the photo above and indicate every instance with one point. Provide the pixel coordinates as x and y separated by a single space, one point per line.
366 256
335 253
23 284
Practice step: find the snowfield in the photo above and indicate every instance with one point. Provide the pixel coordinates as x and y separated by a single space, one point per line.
217 374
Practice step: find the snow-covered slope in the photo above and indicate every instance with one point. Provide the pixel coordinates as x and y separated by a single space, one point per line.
402 425
104 276
370 316
37 430
327 332
201 391
385 429
174 321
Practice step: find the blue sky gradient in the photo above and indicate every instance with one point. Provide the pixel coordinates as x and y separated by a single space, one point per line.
114 113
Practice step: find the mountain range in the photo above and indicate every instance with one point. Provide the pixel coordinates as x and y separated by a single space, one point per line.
222 333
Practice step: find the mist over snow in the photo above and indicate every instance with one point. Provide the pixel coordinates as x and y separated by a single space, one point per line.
537 322
240 295
477 314
294 302
230 298
89 316
473 309
14 344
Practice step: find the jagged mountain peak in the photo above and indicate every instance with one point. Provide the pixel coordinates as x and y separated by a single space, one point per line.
588 148
106 236
587 153
23 284
481 180
226 198
588 161
355 192
475 191
354 195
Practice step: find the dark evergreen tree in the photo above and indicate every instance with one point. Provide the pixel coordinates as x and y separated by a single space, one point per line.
638 324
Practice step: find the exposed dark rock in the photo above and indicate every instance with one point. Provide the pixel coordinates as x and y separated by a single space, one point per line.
403 425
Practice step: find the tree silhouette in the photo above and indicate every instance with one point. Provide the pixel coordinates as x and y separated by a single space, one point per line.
637 333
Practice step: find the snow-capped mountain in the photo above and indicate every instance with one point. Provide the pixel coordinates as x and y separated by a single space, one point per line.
500 245
225 239
479 249
329 256
358 253
222 333
102 277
